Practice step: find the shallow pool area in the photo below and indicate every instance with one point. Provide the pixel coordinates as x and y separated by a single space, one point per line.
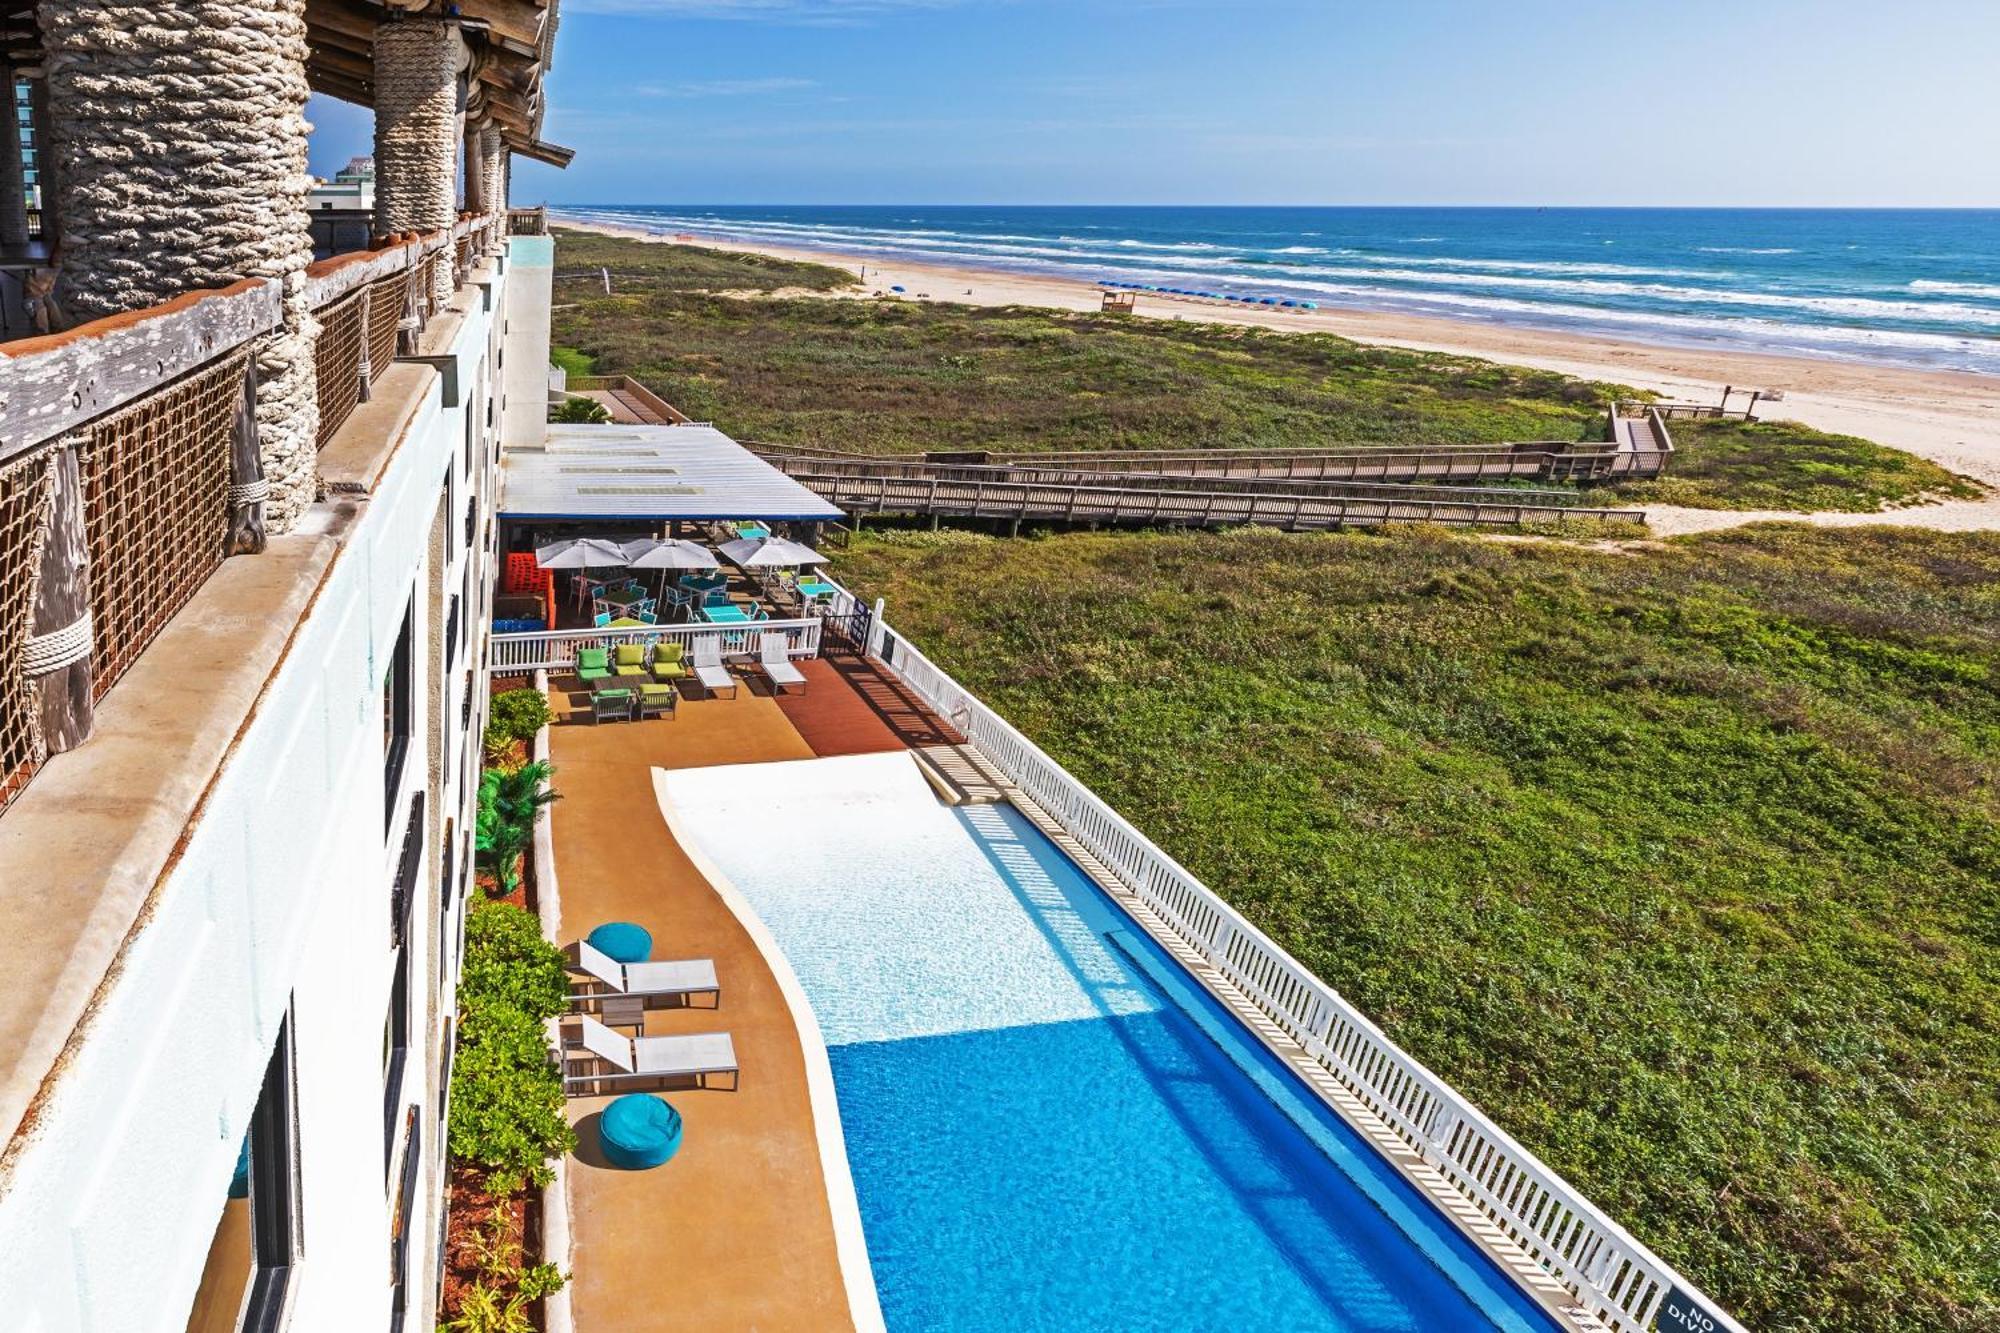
1050 1125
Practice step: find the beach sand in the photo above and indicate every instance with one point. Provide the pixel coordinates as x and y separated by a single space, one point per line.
1950 418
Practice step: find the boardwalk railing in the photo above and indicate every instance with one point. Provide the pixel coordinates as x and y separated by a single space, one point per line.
1621 1281
1031 473
555 650
1137 504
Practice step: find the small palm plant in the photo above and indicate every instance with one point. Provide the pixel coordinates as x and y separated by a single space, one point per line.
510 800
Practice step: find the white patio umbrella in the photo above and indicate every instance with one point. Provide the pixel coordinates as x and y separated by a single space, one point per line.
769 553
581 553
649 553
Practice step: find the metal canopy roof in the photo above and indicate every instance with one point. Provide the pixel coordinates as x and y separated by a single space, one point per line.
650 474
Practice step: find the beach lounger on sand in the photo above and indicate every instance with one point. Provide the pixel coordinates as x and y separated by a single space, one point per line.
774 659
607 1061
708 668
605 977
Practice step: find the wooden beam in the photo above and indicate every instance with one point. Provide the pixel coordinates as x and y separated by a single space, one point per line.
58 382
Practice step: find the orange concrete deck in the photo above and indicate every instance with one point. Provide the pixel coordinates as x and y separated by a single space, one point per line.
736 1231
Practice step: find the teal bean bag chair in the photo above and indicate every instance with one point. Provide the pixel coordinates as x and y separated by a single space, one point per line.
623 942
639 1131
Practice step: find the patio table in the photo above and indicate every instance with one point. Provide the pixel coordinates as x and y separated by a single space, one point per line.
621 599
730 614
626 622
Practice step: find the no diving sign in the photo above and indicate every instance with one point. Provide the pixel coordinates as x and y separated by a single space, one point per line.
1681 1313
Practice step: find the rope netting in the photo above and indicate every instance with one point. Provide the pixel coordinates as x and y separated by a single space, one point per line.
337 360
156 498
386 299
24 499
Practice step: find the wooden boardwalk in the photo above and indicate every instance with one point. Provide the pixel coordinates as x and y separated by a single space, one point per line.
1132 501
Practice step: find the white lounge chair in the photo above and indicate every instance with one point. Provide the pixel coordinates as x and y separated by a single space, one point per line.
607 978
611 1060
774 659
708 668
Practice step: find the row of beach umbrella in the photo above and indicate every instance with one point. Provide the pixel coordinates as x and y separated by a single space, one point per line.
1280 302
652 553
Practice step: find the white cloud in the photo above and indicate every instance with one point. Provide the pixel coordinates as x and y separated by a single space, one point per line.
789 11
706 88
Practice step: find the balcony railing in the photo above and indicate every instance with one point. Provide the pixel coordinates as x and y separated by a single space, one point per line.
555 650
528 221
116 445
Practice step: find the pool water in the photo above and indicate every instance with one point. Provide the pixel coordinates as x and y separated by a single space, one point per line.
1050 1125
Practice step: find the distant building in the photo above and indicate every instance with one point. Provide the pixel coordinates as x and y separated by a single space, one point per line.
343 209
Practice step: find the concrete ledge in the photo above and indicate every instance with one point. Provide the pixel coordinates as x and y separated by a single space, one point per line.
88 844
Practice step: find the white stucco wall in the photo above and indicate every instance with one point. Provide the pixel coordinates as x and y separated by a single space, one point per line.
282 895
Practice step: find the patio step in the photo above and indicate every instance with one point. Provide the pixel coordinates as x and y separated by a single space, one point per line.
960 774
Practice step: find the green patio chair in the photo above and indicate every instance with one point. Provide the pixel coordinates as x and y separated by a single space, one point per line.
611 704
629 659
655 699
593 665
667 661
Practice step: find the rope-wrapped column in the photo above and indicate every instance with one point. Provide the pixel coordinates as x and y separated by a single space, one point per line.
416 132
13 184
179 134
494 149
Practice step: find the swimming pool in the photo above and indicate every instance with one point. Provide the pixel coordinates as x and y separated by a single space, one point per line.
1050 1125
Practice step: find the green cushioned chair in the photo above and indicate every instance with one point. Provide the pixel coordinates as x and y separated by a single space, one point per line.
667 663
592 664
656 698
606 704
629 659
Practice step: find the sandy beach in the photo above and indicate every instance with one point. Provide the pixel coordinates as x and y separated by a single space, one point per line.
1950 418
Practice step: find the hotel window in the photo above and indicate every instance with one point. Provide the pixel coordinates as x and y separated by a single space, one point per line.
395 1054
397 691
249 1266
400 1220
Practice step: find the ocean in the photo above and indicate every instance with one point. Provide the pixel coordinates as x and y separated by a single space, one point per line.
1903 287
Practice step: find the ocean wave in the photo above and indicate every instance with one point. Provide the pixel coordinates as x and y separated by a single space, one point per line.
1745 249
1301 250
1989 290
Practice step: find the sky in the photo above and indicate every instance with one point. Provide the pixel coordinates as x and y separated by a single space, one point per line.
1836 103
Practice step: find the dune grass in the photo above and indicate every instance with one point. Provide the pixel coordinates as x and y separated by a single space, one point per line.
1784 465
1681 863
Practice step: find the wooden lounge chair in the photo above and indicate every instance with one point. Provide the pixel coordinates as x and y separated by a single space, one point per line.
607 1061
604 977
708 668
774 659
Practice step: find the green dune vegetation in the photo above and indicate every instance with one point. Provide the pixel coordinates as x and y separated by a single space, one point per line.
1680 863
753 344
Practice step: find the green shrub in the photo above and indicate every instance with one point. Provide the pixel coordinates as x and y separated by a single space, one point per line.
516 715
580 412
508 964
507 1108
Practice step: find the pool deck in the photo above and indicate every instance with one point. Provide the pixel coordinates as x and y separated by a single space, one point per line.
736 1232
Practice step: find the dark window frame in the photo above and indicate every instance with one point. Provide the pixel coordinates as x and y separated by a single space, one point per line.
398 704
405 1201
396 1036
275 1232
